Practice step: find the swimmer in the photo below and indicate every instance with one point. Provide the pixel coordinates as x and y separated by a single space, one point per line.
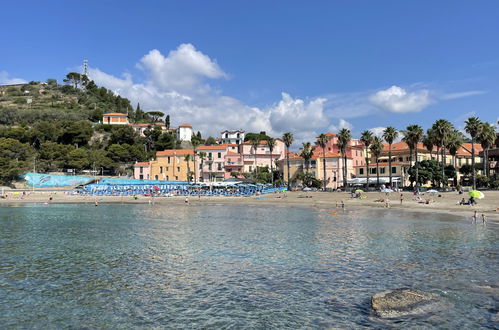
473 218
96 203
483 218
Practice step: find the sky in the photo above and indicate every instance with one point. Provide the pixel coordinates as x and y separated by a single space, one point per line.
301 66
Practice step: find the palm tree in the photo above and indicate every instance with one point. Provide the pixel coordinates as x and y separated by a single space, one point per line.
454 142
472 127
322 142
255 142
390 134
288 141
344 137
366 138
376 149
271 142
187 158
412 136
202 156
195 143
428 141
487 138
307 152
442 129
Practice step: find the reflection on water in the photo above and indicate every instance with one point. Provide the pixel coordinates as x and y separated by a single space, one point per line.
237 266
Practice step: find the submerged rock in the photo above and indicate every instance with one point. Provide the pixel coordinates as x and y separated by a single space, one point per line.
403 302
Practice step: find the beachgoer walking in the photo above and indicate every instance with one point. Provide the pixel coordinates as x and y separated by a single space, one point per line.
401 198
186 200
342 205
483 218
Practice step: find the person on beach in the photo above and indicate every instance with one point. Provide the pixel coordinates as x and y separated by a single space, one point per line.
342 205
473 218
187 200
483 219
96 203
401 198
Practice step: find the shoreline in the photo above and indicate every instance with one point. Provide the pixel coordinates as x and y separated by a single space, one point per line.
447 203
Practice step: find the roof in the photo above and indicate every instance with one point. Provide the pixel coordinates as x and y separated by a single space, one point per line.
329 134
213 147
316 155
185 125
262 142
232 132
142 163
175 152
400 146
230 153
465 150
115 114
146 125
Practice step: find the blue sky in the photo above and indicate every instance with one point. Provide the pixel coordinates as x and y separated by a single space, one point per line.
307 67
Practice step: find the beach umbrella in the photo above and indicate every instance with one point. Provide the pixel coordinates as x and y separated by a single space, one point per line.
432 191
386 190
476 194
359 191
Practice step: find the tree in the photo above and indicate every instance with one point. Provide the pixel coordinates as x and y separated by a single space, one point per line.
429 170
428 141
167 121
271 142
255 142
77 133
454 142
75 79
166 141
155 116
412 136
442 129
322 142
306 153
195 143
15 158
472 127
288 141
187 158
261 136
78 159
202 156
376 149
210 141
123 134
366 138
52 156
344 137
390 134
486 137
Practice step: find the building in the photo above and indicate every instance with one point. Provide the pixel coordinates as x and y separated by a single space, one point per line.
334 168
493 158
115 118
401 162
232 137
140 128
211 162
142 170
261 156
184 133
170 165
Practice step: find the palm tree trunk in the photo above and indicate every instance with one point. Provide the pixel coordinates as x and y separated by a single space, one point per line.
367 170
194 156
485 161
377 172
287 163
444 181
473 161
390 164
271 171
417 167
344 171
324 167
410 160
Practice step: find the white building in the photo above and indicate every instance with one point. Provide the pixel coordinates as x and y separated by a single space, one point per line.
184 132
232 137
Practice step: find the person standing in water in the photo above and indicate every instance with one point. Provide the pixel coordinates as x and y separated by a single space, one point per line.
473 218
401 198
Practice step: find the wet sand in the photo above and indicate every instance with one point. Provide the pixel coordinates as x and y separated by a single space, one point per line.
447 203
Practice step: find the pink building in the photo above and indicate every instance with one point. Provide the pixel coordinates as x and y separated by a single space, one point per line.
261 156
142 170
212 167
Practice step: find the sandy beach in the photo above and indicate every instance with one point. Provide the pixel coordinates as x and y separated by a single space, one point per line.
444 202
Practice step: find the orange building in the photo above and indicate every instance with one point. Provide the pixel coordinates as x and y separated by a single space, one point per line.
115 118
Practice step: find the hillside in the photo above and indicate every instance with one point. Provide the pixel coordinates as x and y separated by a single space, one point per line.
26 104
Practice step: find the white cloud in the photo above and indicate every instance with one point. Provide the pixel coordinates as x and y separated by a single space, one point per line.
377 131
175 84
398 100
341 124
452 96
6 80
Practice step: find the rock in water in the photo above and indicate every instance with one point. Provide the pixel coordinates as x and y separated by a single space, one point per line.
403 302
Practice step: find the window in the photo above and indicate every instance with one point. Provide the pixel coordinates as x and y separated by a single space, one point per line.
161 169
394 169
176 178
313 163
156 177
141 177
238 136
250 168
167 178
200 166
372 170
168 159
382 170
356 153
167 168
226 135
219 155
209 167
361 171
141 170
356 162
219 166
401 159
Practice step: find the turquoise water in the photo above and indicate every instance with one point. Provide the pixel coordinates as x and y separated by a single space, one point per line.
141 266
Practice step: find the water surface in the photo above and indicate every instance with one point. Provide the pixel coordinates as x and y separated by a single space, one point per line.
230 266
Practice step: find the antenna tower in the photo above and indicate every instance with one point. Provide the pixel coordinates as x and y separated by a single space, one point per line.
85 68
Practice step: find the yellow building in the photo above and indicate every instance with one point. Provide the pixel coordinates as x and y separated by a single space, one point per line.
170 165
401 162
115 118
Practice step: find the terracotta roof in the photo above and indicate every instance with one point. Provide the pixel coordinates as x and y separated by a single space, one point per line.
329 134
401 146
263 142
232 153
142 163
185 125
175 152
115 114
231 132
214 147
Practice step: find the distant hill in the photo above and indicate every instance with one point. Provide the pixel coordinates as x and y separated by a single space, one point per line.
26 104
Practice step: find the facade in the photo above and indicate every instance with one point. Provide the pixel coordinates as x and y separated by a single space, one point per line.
142 170
170 165
262 156
184 133
334 168
115 118
212 166
232 137
401 162
493 158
